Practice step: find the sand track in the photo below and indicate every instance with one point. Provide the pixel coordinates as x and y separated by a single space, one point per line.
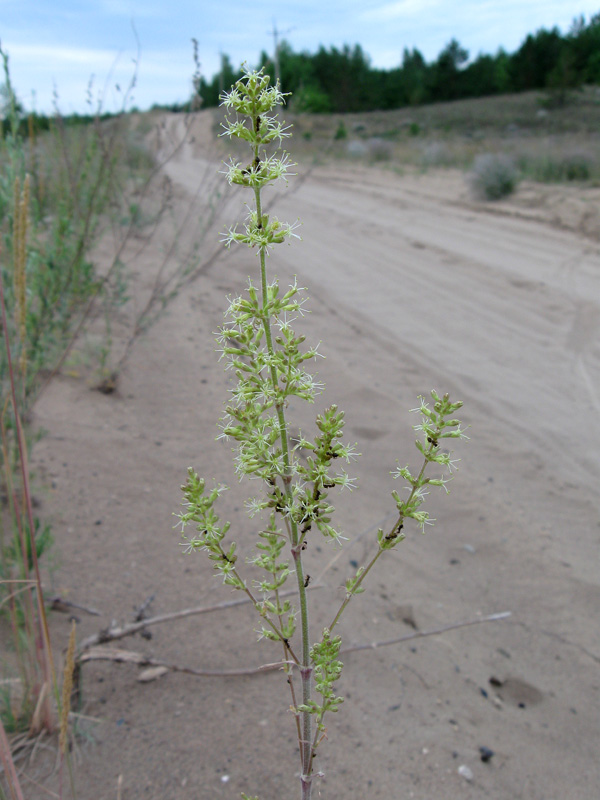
412 286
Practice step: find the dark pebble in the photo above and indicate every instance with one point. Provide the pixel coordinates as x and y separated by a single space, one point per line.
486 754
353 563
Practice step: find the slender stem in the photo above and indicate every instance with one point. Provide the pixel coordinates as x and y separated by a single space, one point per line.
306 671
349 595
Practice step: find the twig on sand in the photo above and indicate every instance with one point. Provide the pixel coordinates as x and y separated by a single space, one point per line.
131 657
58 603
421 634
114 632
142 610
96 653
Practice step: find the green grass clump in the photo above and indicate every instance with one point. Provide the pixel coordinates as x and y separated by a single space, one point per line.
559 167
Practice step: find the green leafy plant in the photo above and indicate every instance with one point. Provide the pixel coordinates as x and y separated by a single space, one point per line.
269 361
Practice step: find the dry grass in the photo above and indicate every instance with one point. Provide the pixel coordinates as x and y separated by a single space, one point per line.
557 144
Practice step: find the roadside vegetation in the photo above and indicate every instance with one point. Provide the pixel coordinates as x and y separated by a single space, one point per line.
65 185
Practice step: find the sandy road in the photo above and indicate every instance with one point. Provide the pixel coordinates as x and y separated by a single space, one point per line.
505 310
412 286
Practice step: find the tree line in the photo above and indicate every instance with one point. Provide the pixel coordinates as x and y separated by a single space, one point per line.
342 80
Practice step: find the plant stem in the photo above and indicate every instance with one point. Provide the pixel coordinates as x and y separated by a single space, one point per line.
305 741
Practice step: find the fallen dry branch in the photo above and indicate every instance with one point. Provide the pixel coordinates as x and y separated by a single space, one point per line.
421 634
114 632
98 653
131 657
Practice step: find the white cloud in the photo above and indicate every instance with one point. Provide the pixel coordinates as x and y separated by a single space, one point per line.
398 9
56 55
133 9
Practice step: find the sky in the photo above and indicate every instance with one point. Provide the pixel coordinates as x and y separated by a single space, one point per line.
79 53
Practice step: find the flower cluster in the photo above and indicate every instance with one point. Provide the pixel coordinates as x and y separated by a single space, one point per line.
253 100
209 532
327 669
266 376
434 427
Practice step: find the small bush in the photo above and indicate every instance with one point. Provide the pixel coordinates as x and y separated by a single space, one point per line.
494 176
357 149
341 132
435 154
379 149
578 167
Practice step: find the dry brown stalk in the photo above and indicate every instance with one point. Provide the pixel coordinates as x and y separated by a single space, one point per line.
9 766
67 690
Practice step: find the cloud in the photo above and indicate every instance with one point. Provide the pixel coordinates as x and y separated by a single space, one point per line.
399 9
55 55
131 8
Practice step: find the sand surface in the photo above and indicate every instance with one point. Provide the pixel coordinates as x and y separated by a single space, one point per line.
412 286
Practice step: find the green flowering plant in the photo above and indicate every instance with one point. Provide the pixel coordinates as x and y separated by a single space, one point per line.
269 361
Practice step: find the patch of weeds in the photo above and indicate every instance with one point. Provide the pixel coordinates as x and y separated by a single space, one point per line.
341 132
561 168
357 149
379 149
435 154
493 176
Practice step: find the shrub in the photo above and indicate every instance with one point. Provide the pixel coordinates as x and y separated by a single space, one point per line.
494 176
435 154
379 149
341 132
